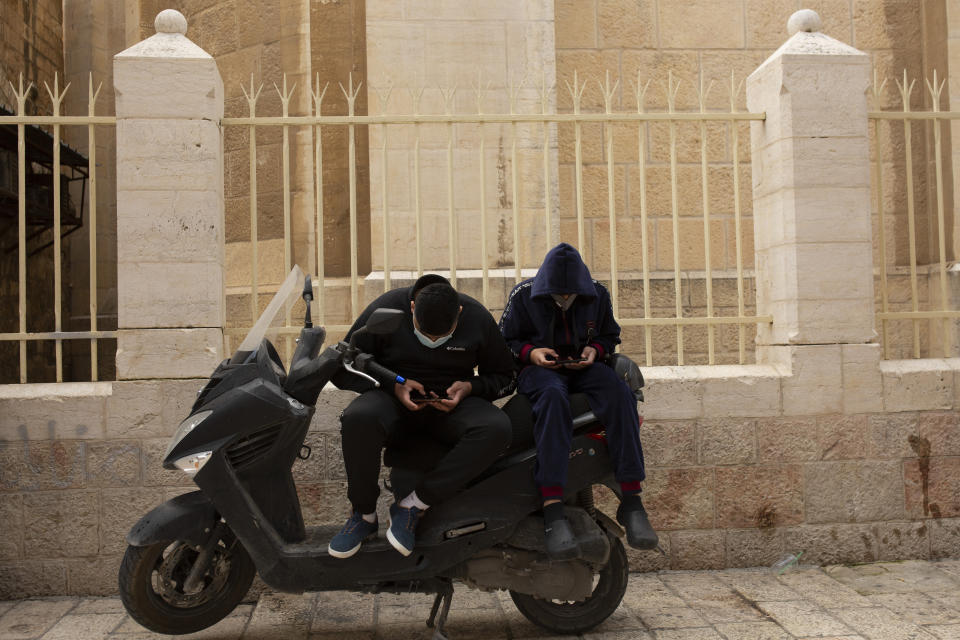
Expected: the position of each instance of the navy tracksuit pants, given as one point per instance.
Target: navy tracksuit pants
(611, 401)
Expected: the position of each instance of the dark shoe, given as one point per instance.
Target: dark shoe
(640, 534)
(561, 541)
(354, 533)
(403, 525)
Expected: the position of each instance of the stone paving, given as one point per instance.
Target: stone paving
(914, 600)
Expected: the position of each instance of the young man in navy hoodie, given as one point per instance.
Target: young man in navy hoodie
(561, 314)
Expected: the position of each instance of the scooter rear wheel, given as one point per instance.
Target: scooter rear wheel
(152, 579)
(577, 617)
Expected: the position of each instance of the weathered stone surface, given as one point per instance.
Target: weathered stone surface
(680, 498)
(787, 439)
(903, 540)
(890, 435)
(170, 294)
(759, 496)
(120, 509)
(84, 626)
(696, 550)
(73, 411)
(324, 503)
(114, 463)
(168, 353)
(832, 544)
(133, 410)
(333, 454)
(878, 623)
(916, 385)
(30, 619)
(95, 576)
(701, 25)
(748, 391)
(816, 384)
(861, 491)
(862, 382)
(669, 443)
(804, 439)
(669, 394)
(176, 398)
(32, 578)
(61, 524)
(803, 619)
(944, 537)
(942, 431)
(753, 547)
(42, 465)
(726, 442)
(932, 487)
(11, 515)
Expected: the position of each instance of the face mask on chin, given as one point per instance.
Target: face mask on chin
(427, 342)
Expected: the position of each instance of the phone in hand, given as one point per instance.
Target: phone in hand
(562, 361)
(417, 398)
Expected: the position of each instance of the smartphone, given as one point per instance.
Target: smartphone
(569, 360)
(418, 399)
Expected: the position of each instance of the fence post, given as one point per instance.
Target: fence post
(169, 102)
(813, 238)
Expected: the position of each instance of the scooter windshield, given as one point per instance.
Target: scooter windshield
(277, 316)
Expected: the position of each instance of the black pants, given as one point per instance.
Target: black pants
(478, 431)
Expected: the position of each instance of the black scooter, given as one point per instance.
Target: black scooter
(191, 560)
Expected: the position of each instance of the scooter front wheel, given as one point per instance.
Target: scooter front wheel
(577, 617)
(153, 580)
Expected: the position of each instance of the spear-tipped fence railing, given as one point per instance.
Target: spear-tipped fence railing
(938, 314)
(53, 123)
(546, 122)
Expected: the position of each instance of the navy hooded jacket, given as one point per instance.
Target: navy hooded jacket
(532, 319)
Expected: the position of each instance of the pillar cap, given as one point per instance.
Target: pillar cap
(806, 20)
(170, 21)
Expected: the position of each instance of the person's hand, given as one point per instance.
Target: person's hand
(590, 353)
(540, 358)
(403, 391)
(457, 392)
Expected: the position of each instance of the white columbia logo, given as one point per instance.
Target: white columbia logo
(456, 348)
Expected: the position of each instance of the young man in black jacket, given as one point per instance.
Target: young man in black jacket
(564, 314)
(445, 335)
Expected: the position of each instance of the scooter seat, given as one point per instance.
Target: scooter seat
(423, 453)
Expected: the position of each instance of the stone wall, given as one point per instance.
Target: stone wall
(737, 474)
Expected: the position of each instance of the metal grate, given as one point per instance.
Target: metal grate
(251, 448)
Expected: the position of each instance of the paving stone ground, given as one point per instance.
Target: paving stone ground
(915, 600)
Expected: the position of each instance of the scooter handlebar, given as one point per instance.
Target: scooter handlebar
(366, 364)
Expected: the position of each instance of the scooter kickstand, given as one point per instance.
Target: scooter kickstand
(445, 597)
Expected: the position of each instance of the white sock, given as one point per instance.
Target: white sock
(370, 517)
(413, 501)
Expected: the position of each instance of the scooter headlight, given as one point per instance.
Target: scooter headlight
(186, 427)
(193, 463)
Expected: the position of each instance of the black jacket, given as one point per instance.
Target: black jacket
(476, 343)
(531, 318)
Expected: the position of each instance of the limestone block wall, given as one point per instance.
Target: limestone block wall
(456, 47)
(743, 464)
(704, 40)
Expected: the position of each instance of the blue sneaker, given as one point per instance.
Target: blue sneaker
(348, 541)
(403, 523)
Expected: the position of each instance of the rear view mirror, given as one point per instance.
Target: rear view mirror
(384, 321)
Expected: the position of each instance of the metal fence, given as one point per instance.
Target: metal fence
(897, 150)
(547, 120)
(53, 124)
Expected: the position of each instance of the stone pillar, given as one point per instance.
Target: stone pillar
(169, 101)
(811, 185)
